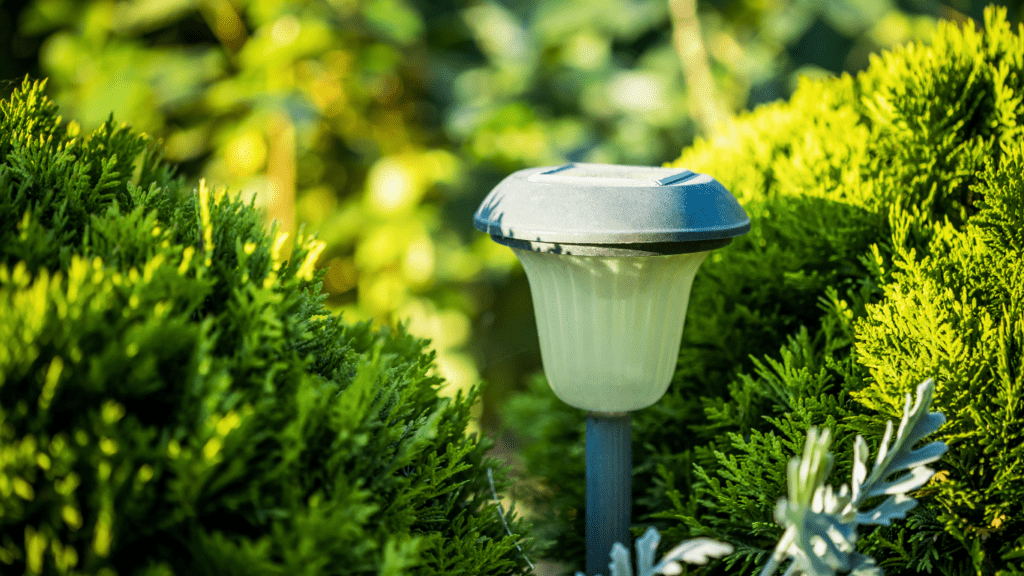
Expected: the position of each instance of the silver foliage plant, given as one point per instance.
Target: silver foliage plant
(821, 523)
(695, 551)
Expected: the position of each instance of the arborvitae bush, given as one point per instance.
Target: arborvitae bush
(175, 400)
(886, 248)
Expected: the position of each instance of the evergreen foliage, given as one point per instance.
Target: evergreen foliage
(886, 249)
(174, 399)
(388, 119)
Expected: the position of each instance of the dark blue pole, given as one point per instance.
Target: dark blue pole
(609, 487)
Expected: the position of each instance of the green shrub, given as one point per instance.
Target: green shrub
(174, 399)
(404, 112)
(886, 248)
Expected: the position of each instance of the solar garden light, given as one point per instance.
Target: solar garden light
(610, 253)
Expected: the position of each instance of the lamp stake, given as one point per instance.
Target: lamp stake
(609, 486)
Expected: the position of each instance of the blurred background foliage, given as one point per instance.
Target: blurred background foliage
(381, 124)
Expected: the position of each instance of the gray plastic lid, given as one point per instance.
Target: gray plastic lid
(613, 210)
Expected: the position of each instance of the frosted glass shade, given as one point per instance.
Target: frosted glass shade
(609, 326)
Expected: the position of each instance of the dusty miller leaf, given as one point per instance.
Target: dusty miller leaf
(917, 423)
(619, 566)
(894, 507)
(821, 524)
(695, 551)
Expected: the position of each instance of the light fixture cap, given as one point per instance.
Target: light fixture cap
(611, 210)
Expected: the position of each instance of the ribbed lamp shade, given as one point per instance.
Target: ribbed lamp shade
(609, 326)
